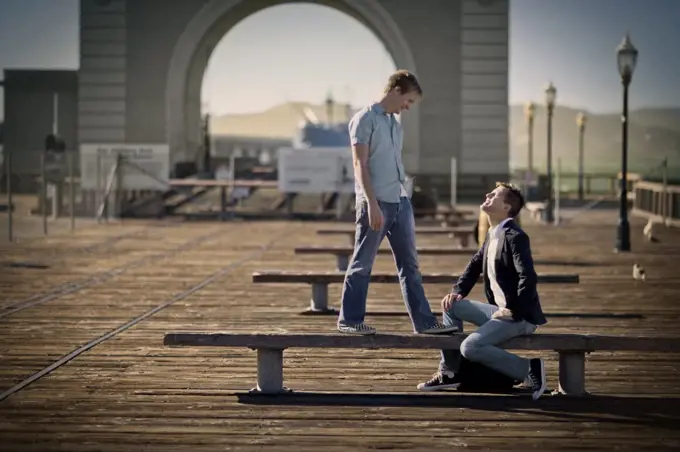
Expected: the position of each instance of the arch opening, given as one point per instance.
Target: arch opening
(213, 22)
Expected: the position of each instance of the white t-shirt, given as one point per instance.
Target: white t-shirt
(492, 248)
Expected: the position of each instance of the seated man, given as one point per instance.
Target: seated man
(510, 287)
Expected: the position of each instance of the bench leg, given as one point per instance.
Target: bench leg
(319, 303)
(572, 373)
(342, 262)
(269, 371)
(464, 241)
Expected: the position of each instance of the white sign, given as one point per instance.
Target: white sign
(146, 165)
(315, 170)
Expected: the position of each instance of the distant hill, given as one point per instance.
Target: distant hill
(280, 121)
(654, 133)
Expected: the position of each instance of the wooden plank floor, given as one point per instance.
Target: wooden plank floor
(130, 393)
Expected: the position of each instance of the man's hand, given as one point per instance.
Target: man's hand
(449, 299)
(375, 216)
(502, 314)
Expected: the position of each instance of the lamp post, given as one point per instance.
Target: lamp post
(550, 94)
(626, 56)
(529, 110)
(581, 123)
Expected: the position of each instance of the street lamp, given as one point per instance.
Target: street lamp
(626, 56)
(529, 110)
(550, 94)
(581, 123)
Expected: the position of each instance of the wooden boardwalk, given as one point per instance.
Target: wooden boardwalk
(124, 286)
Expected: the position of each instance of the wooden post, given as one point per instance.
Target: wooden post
(572, 373)
(10, 218)
(223, 203)
(97, 190)
(57, 195)
(119, 197)
(664, 195)
(557, 190)
(43, 192)
(71, 191)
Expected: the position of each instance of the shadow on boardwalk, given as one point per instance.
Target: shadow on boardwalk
(641, 411)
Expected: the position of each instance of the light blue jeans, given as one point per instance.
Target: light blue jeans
(399, 227)
(480, 346)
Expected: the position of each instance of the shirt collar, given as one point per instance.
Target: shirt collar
(496, 230)
(379, 109)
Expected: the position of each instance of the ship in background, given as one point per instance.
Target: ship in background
(313, 133)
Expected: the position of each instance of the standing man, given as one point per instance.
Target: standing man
(513, 309)
(383, 209)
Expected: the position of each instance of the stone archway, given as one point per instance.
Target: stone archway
(193, 49)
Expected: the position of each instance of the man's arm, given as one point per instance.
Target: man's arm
(360, 161)
(524, 265)
(360, 129)
(468, 279)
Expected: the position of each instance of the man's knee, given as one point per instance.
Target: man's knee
(470, 348)
(459, 309)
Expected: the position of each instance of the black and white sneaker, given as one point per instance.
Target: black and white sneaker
(440, 328)
(536, 379)
(439, 381)
(359, 328)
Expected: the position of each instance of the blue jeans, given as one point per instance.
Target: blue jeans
(480, 346)
(399, 227)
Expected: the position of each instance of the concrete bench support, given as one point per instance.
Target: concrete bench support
(342, 262)
(319, 302)
(572, 373)
(269, 371)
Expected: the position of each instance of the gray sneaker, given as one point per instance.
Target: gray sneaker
(439, 328)
(359, 328)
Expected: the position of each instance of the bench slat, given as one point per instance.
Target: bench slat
(348, 250)
(428, 278)
(555, 342)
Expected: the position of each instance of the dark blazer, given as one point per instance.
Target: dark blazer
(514, 271)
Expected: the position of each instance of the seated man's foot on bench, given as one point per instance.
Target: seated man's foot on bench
(359, 328)
(440, 380)
(440, 328)
(535, 379)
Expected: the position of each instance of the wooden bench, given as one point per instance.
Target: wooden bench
(320, 281)
(343, 253)
(462, 233)
(270, 346)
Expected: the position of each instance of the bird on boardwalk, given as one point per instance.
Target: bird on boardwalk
(648, 231)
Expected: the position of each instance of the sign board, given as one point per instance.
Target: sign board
(153, 159)
(315, 170)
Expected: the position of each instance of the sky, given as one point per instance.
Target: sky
(269, 58)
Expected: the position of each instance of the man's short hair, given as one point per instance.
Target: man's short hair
(513, 197)
(405, 81)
